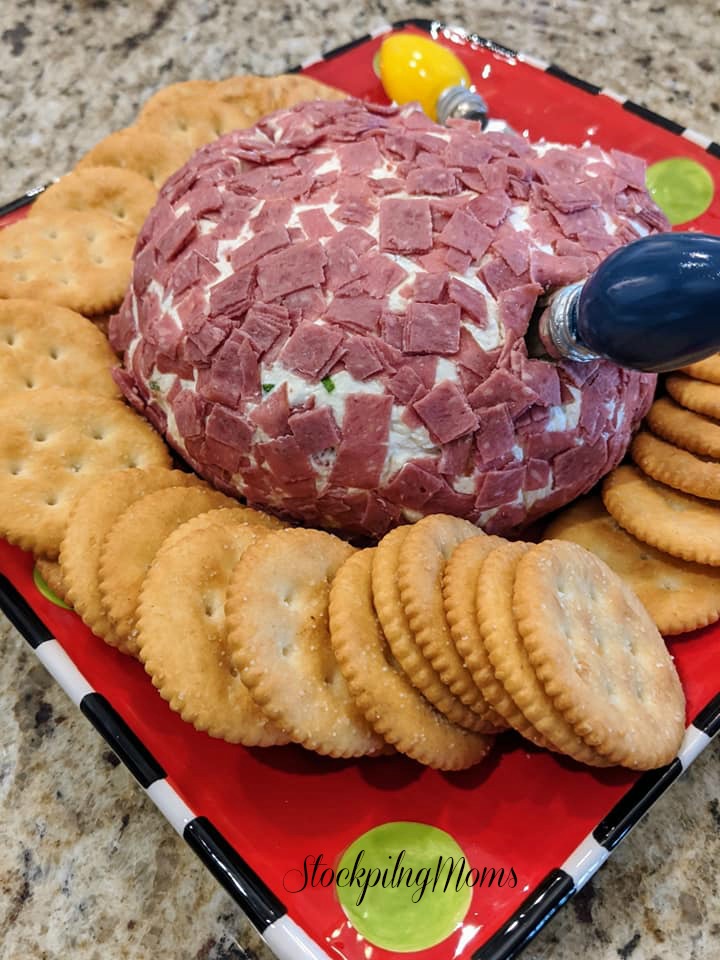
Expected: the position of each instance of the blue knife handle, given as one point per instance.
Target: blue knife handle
(654, 304)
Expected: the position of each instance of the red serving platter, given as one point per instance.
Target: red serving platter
(522, 808)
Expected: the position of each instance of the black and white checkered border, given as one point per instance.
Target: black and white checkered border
(268, 914)
(565, 881)
(248, 890)
(264, 910)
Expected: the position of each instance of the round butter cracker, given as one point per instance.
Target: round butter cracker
(132, 148)
(685, 429)
(182, 630)
(401, 639)
(279, 636)
(77, 260)
(89, 522)
(381, 688)
(696, 395)
(173, 92)
(190, 121)
(54, 444)
(676, 523)
(459, 588)
(598, 655)
(289, 89)
(421, 564)
(252, 94)
(42, 345)
(676, 468)
(132, 543)
(707, 369)
(51, 573)
(678, 595)
(123, 195)
(511, 684)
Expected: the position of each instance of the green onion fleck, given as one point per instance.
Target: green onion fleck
(267, 387)
(154, 386)
(327, 382)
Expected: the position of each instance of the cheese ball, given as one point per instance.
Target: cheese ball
(328, 317)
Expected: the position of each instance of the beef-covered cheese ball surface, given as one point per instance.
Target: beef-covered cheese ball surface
(328, 310)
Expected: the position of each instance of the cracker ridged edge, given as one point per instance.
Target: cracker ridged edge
(676, 468)
(646, 531)
(155, 672)
(420, 671)
(342, 627)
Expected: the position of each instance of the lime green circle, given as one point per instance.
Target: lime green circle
(45, 590)
(392, 914)
(682, 188)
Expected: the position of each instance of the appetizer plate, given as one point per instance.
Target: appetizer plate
(532, 826)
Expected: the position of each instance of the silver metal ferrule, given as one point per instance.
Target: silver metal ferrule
(461, 103)
(558, 325)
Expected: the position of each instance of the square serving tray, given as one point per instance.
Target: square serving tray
(254, 815)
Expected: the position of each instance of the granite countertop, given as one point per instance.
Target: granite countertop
(88, 868)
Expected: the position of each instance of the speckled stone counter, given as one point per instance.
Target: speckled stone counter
(88, 868)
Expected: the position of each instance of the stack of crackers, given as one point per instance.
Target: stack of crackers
(658, 522)
(472, 635)
(75, 247)
(431, 643)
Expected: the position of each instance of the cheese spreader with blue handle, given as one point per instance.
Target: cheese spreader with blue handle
(653, 305)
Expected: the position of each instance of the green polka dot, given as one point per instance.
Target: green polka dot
(397, 916)
(682, 188)
(47, 592)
